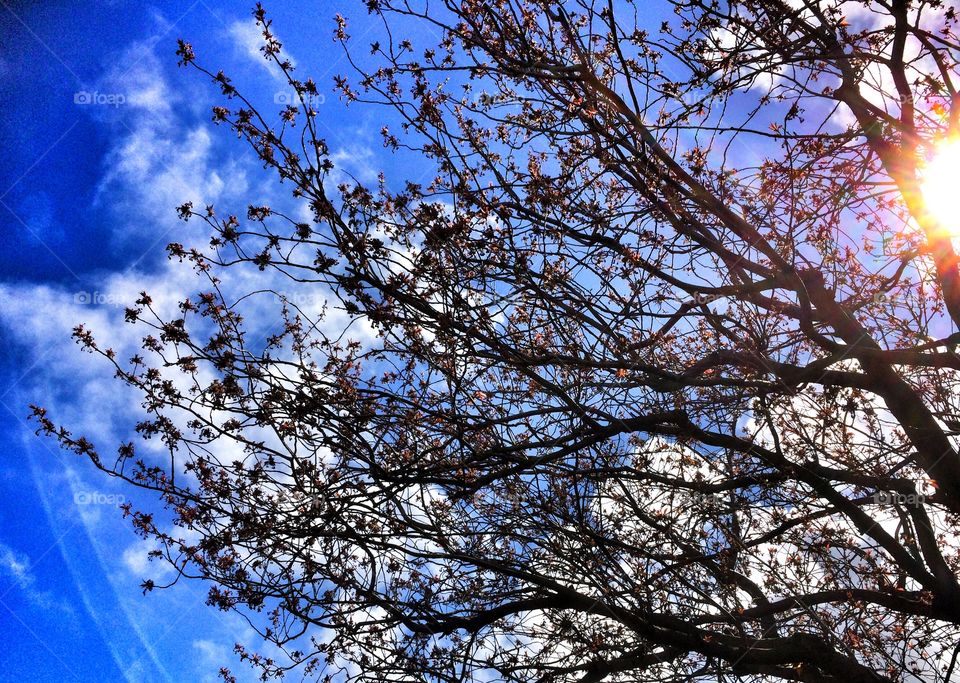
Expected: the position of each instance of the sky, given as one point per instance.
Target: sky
(103, 136)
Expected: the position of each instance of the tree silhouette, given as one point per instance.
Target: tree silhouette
(664, 382)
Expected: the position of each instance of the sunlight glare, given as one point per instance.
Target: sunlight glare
(941, 187)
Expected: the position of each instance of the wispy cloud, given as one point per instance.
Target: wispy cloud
(163, 153)
(16, 570)
(248, 39)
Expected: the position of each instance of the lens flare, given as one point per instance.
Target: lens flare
(941, 187)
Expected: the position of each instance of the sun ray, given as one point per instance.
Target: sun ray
(940, 187)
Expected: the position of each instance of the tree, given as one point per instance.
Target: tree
(664, 384)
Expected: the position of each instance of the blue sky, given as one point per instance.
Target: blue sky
(103, 135)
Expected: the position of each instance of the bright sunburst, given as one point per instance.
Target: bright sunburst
(941, 186)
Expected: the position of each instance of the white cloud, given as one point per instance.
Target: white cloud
(160, 158)
(248, 39)
(212, 656)
(136, 559)
(137, 76)
(356, 160)
(158, 162)
(16, 567)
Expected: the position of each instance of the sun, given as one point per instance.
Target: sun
(940, 187)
